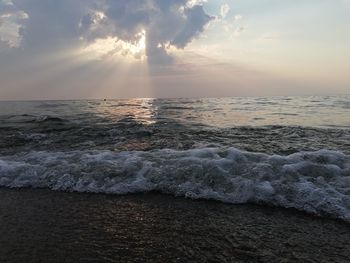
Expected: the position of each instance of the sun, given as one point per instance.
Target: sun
(116, 48)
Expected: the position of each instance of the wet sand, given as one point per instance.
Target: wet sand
(47, 226)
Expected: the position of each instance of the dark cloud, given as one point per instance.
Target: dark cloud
(165, 22)
(193, 25)
(53, 24)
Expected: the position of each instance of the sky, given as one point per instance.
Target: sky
(85, 49)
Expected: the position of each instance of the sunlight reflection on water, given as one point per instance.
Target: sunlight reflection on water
(229, 112)
(312, 111)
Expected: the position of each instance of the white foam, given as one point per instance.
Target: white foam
(315, 182)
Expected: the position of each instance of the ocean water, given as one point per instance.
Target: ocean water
(290, 152)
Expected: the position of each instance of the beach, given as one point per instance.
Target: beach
(39, 225)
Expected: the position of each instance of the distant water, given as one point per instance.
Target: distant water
(282, 151)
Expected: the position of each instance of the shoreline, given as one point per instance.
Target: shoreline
(39, 225)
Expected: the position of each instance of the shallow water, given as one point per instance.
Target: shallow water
(49, 226)
(283, 151)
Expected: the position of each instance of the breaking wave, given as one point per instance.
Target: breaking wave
(315, 182)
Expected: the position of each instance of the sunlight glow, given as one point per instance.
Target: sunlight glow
(113, 47)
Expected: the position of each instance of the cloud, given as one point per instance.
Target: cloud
(166, 23)
(238, 17)
(235, 26)
(52, 25)
(224, 10)
(11, 25)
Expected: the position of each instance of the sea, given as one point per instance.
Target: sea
(291, 152)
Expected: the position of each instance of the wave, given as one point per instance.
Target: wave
(47, 119)
(315, 182)
(52, 104)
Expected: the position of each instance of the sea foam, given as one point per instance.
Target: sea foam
(315, 182)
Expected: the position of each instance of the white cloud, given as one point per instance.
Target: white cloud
(11, 24)
(113, 47)
(235, 26)
(192, 3)
(224, 10)
(238, 17)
